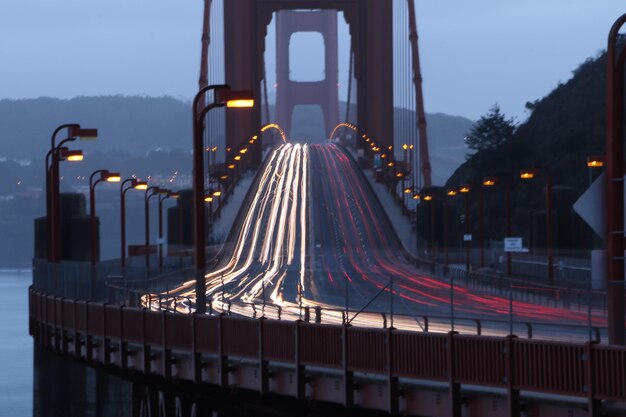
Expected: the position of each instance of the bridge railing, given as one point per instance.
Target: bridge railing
(584, 370)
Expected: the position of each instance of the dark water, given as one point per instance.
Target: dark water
(16, 346)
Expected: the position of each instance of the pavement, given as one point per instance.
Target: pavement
(222, 225)
(401, 223)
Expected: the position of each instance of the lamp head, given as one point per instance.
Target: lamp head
(111, 176)
(465, 189)
(416, 196)
(84, 134)
(428, 197)
(71, 155)
(235, 99)
(208, 199)
(174, 194)
(595, 161)
(451, 192)
(490, 181)
(527, 174)
(139, 185)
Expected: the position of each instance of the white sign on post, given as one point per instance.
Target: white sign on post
(467, 237)
(512, 244)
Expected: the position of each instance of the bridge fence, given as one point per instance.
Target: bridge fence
(204, 348)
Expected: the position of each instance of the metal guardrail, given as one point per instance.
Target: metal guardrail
(180, 346)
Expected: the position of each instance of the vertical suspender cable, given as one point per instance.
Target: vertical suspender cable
(419, 98)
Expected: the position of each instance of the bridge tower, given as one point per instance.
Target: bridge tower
(291, 93)
(370, 23)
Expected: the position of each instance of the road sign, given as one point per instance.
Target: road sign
(467, 237)
(512, 244)
(591, 206)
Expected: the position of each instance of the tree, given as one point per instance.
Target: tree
(490, 131)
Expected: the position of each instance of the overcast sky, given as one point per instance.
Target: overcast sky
(474, 53)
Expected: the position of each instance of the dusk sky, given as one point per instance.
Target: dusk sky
(473, 53)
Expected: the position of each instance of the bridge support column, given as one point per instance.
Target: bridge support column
(513, 405)
(300, 370)
(263, 364)
(392, 381)
(222, 358)
(594, 408)
(454, 388)
(348, 376)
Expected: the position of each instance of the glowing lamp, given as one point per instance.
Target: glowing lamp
(208, 199)
(489, 182)
(140, 185)
(465, 189)
(217, 193)
(526, 175)
(428, 197)
(111, 176)
(235, 99)
(595, 161)
(72, 156)
(451, 192)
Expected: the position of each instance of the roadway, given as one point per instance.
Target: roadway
(314, 234)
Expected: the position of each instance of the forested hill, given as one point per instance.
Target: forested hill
(563, 129)
(132, 124)
(137, 125)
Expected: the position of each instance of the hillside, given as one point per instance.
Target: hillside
(141, 135)
(563, 129)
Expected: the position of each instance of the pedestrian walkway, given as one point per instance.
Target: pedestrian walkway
(403, 227)
(223, 224)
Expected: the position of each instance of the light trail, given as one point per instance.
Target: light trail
(356, 252)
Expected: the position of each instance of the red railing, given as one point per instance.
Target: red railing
(589, 370)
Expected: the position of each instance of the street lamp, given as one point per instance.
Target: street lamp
(53, 157)
(465, 189)
(593, 162)
(136, 185)
(148, 194)
(105, 175)
(529, 174)
(433, 250)
(222, 96)
(506, 182)
(163, 197)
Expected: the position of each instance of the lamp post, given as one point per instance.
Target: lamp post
(148, 194)
(74, 131)
(222, 96)
(528, 174)
(134, 184)
(107, 176)
(163, 197)
(594, 161)
(464, 190)
(616, 61)
(451, 192)
(433, 246)
(506, 182)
